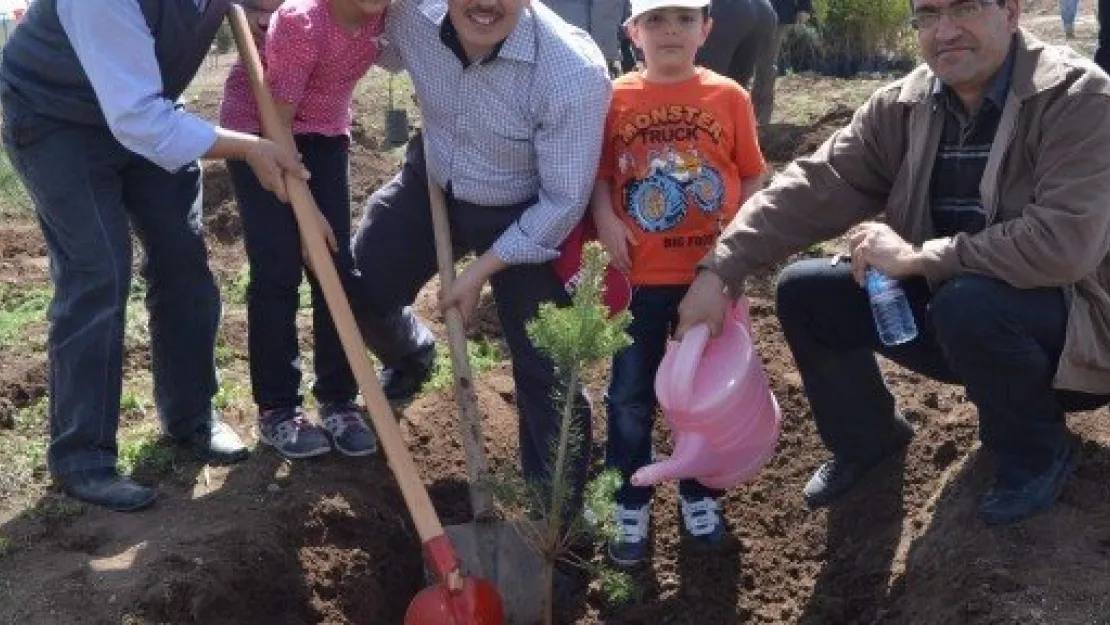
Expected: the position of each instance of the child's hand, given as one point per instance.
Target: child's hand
(615, 236)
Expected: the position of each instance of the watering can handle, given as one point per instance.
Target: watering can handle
(686, 359)
(689, 352)
(740, 313)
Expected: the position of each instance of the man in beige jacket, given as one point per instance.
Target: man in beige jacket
(991, 164)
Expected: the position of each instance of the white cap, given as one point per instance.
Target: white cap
(639, 7)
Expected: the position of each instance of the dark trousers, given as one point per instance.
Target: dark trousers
(276, 268)
(1102, 51)
(1000, 342)
(90, 194)
(742, 30)
(630, 400)
(395, 253)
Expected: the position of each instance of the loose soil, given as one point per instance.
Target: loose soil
(329, 541)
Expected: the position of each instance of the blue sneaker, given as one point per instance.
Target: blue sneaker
(702, 520)
(631, 546)
(290, 432)
(348, 430)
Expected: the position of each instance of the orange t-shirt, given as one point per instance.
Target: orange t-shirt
(674, 155)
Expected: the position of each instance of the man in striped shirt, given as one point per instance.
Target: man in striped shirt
(514, 101)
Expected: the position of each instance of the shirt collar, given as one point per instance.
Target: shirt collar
(999, 88)
(520, 45)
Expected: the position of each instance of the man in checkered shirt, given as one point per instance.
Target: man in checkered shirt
(514, 102)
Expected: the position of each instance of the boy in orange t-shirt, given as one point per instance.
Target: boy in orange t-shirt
(680, 156)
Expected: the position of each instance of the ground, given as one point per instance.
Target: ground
(329, 541)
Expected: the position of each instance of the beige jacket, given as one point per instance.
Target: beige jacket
(1046, 190)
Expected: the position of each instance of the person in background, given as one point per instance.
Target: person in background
(701, 173)
(743, 30)
(601, 19)
(989, 164)
(93, 129)
(315, 53)
(789, 12)
(1068, 10)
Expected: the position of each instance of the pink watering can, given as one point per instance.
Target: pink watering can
(716, 399)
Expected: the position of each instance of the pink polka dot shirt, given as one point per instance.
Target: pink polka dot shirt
(312, 61)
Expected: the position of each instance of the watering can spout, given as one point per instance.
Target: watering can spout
(690, 452)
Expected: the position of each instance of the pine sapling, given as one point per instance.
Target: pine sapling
(573, 337)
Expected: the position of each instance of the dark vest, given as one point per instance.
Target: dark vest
(40, 68)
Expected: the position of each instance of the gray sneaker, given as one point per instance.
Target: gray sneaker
(289, 431)
(348, 430)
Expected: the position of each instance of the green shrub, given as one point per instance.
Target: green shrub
(850, 36)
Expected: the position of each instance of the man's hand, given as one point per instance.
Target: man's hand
(270, 161)
(615, 237)
(705, 302)
(468, 285)
(874, 244)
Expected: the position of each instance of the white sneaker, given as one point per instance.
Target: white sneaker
(631, 546)
(702, 520)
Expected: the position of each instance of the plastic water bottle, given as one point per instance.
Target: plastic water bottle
(893, 316)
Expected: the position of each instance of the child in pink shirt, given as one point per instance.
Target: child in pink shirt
(315, 52)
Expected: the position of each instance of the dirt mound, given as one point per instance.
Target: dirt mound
(262, 543)
(782, 143)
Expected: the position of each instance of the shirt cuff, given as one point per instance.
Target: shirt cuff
(190, 138)
(516, 248)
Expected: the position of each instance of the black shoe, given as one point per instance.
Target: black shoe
(215, 442)
(1004, 504)
(108, 489)
(404, 380)
(838, 475)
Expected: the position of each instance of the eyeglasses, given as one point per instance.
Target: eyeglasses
(925, 19)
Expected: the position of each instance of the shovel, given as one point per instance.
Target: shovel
(494, 550)
(455, 599)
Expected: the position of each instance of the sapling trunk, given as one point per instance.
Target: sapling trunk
(554, 538)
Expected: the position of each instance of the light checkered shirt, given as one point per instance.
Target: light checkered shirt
(526, 124)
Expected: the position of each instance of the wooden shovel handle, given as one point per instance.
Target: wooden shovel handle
(304, 209)
(477, 466)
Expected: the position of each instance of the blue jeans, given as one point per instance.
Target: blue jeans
(630, 400)
(1001, 343)
(90, 193)
(274, 253)
(1068, 11)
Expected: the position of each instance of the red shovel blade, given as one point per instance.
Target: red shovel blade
(477, 603)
